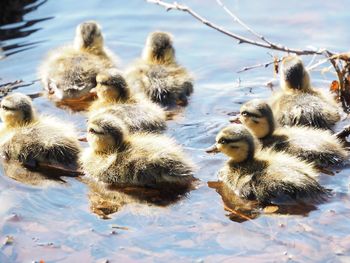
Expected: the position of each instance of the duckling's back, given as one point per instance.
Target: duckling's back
(68, 73)
(143, 116)
(314, 145)
(165, 84)
(304, 109)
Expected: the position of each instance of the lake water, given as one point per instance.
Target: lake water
(55, 222)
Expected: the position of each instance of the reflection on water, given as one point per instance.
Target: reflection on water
(58, 223)
(106, 200)
(16, 171)
(14, 26)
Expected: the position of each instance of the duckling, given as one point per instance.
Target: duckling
(33, 139)
(115, 97)
(69, 72)
(157, 73)
(300, 104)
(264, 175)
(147, 160)
(311, 144)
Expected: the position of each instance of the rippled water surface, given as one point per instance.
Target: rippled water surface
(56, 222)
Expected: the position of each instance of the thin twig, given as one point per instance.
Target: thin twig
(241, 39)
(265, 65)
(239, 21)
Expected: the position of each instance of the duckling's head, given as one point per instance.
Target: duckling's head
(294, 76)
(16, 110)
(88, 35)
(159, 48)
(111, 86)
(258, 117)
(236, 142)
(106, 133)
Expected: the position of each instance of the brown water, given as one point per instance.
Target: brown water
(56, 222)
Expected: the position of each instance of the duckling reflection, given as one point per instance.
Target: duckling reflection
(108, 199)
(264, 175)
(157, 73)
(242, 210)
(300, 104)
(41, 176)
(140, 159)
(311, 144)
(35, 140)
(69, 72)
(115, 97)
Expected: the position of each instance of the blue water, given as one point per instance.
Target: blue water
(54, 223)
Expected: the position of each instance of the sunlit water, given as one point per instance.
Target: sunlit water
(55, 223)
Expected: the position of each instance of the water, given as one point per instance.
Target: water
(55, 222)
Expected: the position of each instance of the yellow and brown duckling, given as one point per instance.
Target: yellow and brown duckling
(311, 144)
(115, 97)
(157, 73)
(116, 157)
(33, 139)
(300, 104)
(264, 175)
(69, 72)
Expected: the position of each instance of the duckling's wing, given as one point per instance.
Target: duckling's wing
(315, 145)
(167, 171)
(44, 143)
(287, 177)
(286, 191)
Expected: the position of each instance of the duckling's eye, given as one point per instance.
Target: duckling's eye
(6, 108)
(103, 83)
(223, 141)
(93, 131)
(250, 114)
(244, 113)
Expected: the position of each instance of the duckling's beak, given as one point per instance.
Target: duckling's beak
(235, 119)
(212, 149)
(82, 139)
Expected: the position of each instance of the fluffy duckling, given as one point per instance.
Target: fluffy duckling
(69, 72)
(264, 175)
(140, 159)
(115, 97)
(33, 139)
(311, 144)
(157, 73)
(300, 104)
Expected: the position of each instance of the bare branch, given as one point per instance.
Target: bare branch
(241, 39)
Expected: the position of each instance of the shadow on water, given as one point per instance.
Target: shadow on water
(14, 26)
(241, 210)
